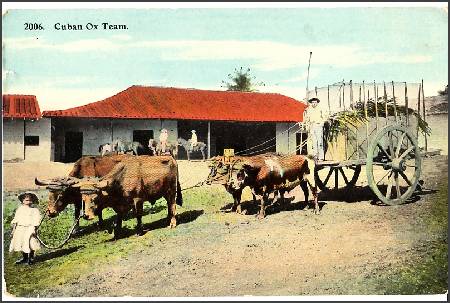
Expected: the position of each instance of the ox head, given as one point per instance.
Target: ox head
(91, 190)
(60, 194)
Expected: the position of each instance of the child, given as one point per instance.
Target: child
(25, 223)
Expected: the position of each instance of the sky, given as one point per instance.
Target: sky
(193, 47)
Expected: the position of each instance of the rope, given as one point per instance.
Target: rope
(253, 147)
(64, 241)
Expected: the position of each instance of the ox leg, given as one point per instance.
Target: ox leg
(262, 211)
(139, 211)
(304, 186)
(171, 211)
(118, 226)
(237, 202)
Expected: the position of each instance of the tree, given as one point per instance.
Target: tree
(443, 92)
(241, 81)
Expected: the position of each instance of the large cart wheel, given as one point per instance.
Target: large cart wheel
(393, 164)
(345, 175)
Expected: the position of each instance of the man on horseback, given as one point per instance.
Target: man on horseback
(193, 140)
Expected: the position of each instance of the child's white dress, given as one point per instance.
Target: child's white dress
(23, 239)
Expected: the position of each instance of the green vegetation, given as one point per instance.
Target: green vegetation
(427, 272)
(241, 81)
(93, 247)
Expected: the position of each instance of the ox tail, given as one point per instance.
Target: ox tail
(179, 196)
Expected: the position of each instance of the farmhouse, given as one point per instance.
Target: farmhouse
(26, 134)
(263, 122)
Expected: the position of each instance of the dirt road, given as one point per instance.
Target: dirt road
(291, 252)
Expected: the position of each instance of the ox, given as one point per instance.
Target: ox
(129, 184)
(105, 149)
(264, 174)
(61, 193)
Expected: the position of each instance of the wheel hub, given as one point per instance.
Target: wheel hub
(398, 165)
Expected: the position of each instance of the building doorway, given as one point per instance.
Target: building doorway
(73, 146)
(142, 136)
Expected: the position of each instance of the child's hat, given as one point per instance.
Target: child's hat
(33, 196)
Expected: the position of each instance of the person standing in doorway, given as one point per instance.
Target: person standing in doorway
(193, 140)
(163, 140)
(315, 119)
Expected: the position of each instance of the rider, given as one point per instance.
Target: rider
(193, 140)
(163, 139)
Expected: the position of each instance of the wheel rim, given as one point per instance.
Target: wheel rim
(327, 177)
(393, 165)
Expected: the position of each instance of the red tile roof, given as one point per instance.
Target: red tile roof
(145, 102)
(20, 106)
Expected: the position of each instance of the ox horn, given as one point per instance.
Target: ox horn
(45, 182)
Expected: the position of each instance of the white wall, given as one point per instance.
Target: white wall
(13, 139)
(286, 138)
(41, 128)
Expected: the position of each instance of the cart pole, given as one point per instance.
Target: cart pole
(424, 113)
(418, 109)
(385, 103)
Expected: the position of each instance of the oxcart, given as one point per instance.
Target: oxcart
(378, 133)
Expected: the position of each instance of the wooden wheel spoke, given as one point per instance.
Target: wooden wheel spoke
(343, 175)
(397, 185)
(406, 152)
(389, 172)
(399, 144)
(389, 188)
(383, 150)
(405, 178)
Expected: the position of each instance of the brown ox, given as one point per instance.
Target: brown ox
(129, 184)
(61, 193)
(234, 176)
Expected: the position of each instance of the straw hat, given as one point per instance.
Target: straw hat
(33, 196)
(193, 131)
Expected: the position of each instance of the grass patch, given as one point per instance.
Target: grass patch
(93, 247)
(427, 272)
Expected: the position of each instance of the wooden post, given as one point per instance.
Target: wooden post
(209, 139)
(376, 104)
(329, 108)
(112, 131)
(359, 99)
(351, 95)
(315, 88)
(364, 92)
(424, 114)
(406, 105)
(367, 119)
(395, 102)
(24, 130)
(343, 95)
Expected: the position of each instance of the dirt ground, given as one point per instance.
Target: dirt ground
(291, 252)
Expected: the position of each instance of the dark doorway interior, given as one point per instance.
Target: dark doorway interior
(142, 136)
(73, 146)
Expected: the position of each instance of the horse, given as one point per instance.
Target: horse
(200, 146)
(123, 147)
(156, 148)
(105, 148)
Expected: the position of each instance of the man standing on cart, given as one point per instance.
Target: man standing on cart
(315, 119)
